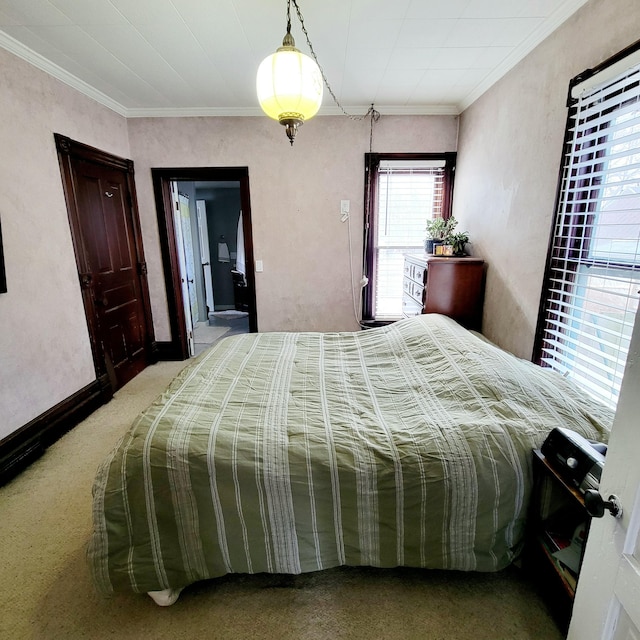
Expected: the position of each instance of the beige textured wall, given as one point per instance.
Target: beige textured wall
(509, 157)
(510, 143)
(295, 202)
(44, 349)
(45, 355)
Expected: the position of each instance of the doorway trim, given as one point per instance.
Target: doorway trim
(177, 348)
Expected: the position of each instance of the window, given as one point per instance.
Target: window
(593, 273)
(403, 191)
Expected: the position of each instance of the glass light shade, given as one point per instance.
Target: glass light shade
(289, 86)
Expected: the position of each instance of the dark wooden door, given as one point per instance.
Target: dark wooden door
(111, 267)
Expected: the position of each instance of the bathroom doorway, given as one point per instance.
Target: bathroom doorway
(205, 227)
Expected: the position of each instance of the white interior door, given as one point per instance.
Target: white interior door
(189, 258)
(203, 231)
(607, 605)
(240, 255)
(184, 275)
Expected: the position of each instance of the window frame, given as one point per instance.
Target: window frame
(372, 163)
(578, 229)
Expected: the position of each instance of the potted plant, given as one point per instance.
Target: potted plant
(458, 242)
(438, 230)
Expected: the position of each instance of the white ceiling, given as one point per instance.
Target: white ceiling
(200, 57)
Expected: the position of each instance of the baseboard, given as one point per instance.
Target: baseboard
(26, 444)
(167, 351)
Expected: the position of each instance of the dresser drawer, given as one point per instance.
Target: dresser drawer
(410, 307)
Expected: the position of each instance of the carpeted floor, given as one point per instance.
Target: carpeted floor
(46, 593)
(205, 335)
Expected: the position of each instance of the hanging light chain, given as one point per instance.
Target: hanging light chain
(375, 115)
(288, 16)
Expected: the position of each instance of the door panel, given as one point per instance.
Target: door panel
(182, 268)
(625, 629)
(203, 231)
(95, 228)
(607, 605)
(106, 228)
(187, 241)
(106, 236)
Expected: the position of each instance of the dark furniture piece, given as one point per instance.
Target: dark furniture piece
(451, 286)
(240, 297)
(557, 514)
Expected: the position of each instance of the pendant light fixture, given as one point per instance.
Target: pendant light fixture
(289, 83)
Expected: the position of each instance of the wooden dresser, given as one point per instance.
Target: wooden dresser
(451, 286)
(413, 285)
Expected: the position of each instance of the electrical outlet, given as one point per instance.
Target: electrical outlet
(344, 210)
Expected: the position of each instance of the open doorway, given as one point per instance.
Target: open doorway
(205, 234)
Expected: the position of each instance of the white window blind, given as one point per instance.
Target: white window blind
(594, 261)
(409, 194)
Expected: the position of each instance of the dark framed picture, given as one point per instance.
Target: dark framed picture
(3, 274)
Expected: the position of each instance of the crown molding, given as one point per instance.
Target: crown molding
(192, 112)
(37, 60)
(395, 110)
(519, 53)
(29, 55)
(561, 14)
(355, 111)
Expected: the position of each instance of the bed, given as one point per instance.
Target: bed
(405, 445)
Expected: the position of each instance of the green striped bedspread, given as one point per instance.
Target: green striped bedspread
(292, 452)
